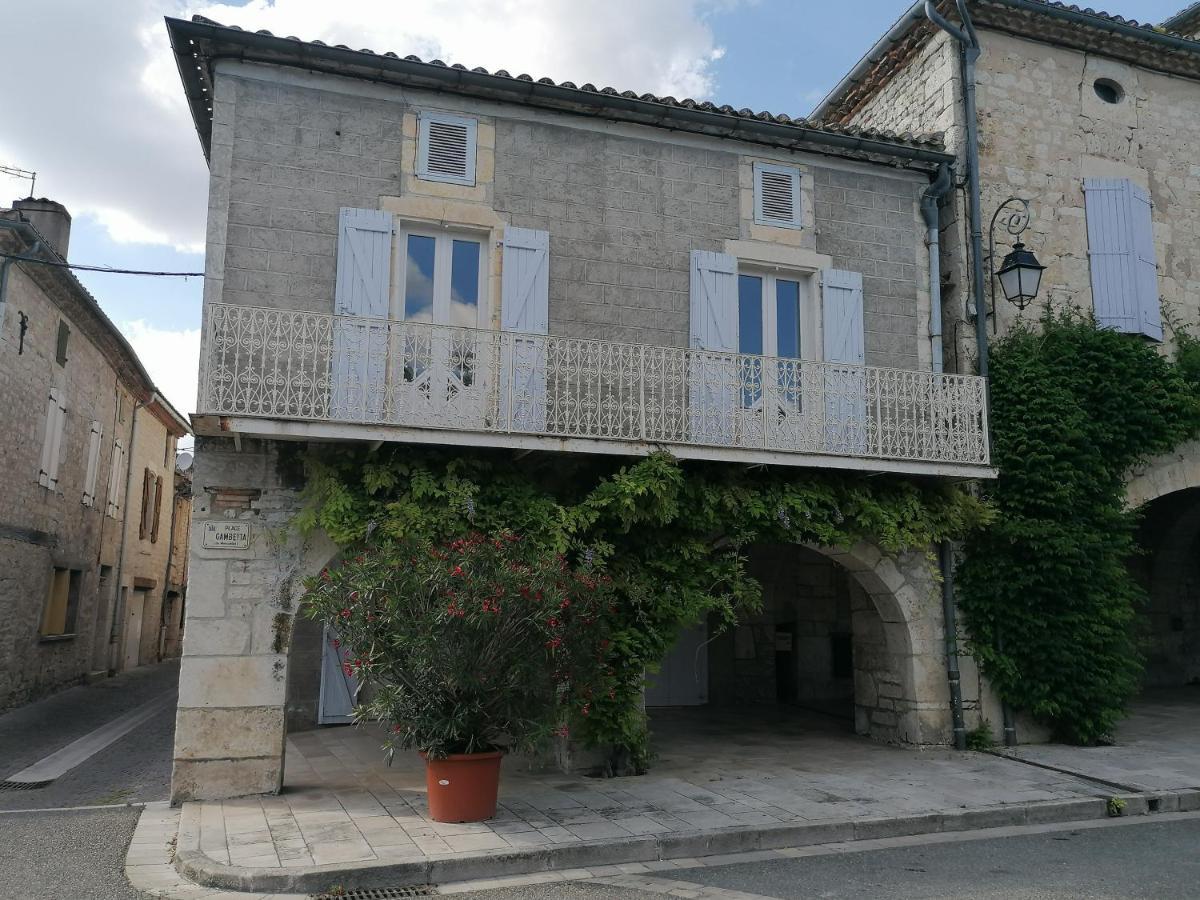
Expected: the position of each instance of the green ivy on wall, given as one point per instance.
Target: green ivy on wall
(1074, 407)
(672, 535)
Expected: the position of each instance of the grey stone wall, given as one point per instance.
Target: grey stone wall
(40, 528)
(623, 212)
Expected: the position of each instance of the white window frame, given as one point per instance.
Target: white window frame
(442, 262)
(797, 177)
(426, 118)
(810, 314)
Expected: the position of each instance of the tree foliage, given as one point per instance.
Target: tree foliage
(672, 536)
(1046, 592)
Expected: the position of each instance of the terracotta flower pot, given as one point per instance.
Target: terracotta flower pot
(463, 786)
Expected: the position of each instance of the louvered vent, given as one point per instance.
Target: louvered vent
(447, 149)
(777, 195)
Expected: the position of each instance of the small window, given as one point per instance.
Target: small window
(1108, 90)
(62, 603)
(64, 335)
(446, 148)
(777, 195)
(120, 406)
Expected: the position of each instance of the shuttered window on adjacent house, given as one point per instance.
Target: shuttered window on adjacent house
(56, 421)
(93, 464)
(777, 195)
(156, 516)
(1121, 256)
(116, 481)
(446, 148)
(146, 525)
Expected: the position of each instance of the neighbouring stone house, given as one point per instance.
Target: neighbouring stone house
(413, 252)
(82, 413)
(1094, 121)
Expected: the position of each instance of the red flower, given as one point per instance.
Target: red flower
(564, 604)
(561, 731)
(587, 708)
(346, 668)
(336, 643)
(456, 572)
(345, 613)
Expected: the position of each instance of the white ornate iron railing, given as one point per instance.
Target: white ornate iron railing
(284, 364)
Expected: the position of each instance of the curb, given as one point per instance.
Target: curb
(195, 865)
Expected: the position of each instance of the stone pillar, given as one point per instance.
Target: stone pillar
(242, 596)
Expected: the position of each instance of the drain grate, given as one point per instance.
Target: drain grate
(22, 785)
(412, 890)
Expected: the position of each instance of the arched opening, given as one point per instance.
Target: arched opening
(846, 642)
(1169, 570)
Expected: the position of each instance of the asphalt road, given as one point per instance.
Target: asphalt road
(50, 851)
(1147, 858)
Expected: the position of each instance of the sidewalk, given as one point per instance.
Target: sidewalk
(718, 787)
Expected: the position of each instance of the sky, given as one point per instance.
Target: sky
(102, 120)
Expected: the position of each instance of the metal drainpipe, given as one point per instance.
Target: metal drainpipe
(119, 603)
(929, 209)
(969, 42)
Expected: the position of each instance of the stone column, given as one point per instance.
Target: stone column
(242, 596)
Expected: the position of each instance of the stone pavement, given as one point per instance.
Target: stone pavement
(1157, 747)
(722, 783)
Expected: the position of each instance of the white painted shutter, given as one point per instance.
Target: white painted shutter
(93, 464)
(335, 703)
(777, 195)
(362, 290)
(56, 420)
(446, 148)
(1122, 258)
(713, 376)
(525, 308)
(116, 480)
(844, 342)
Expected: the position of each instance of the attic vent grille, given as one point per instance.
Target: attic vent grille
(447, 150)
(777, 195)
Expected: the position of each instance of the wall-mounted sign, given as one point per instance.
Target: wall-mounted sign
(226, 535)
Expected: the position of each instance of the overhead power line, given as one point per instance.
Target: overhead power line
(109, 269)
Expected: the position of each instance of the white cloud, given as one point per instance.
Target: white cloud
(110, 136)
(171, 357)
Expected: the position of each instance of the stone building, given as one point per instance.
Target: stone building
(1093, 120)
(75, 393)
(411, 252)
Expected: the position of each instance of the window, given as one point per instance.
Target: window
(120, 406)
(116, 480)
(64, 334)
(446, 148)
(774, 314)
(151, 505)
(1122, 256)
(56, 420)
(1108, 90)
(777, 195)
(93, 464)
(62, 603)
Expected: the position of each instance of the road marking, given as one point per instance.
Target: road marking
(133, 804)
(67, 758)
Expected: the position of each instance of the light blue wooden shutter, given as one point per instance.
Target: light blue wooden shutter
(525, 308)
(777, 195)
(446, 148)
(713, 376)
(362, 290)
(844, 342)
(1121, 254)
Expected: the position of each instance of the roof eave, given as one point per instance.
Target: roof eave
(253, 47)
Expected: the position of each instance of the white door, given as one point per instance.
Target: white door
(441, 378)
(135, 609)
(683, 678)
(339, 690)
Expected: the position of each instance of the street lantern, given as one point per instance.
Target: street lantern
(1020, 276)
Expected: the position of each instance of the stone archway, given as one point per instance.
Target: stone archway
(1166, 474)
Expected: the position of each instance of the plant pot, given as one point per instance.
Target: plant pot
(463, 786)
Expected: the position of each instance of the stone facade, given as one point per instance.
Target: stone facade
(624, 206)
(53, 336)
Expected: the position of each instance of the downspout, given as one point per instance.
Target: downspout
(929, 209)
(968, 41)
(119, 603)
(162, 616)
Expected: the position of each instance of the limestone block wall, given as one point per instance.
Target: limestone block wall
(240, 611)
(624, 206)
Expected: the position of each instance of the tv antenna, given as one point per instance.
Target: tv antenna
(21, 173)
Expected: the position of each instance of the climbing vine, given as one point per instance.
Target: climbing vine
(672, 536)
(1046, 591)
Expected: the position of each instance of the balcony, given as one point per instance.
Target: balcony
(288, 374)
